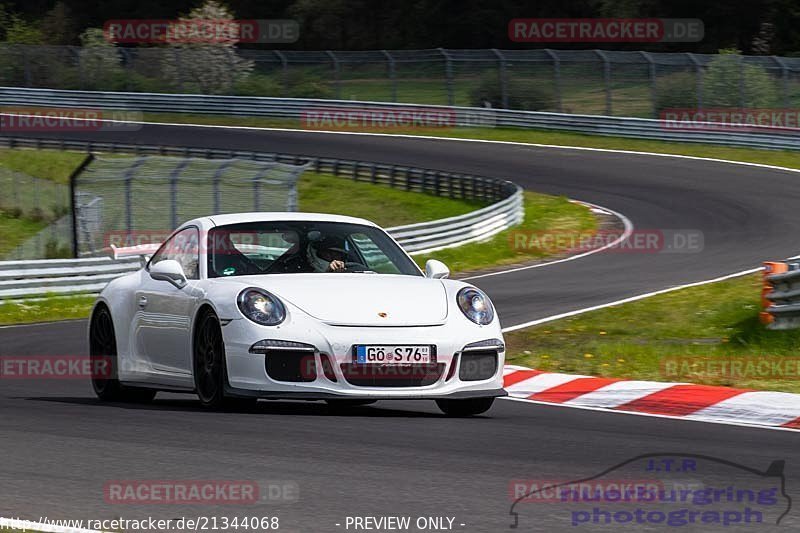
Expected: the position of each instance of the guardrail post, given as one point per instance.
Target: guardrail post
(392, 73)
(784, 80)
(556, 78)
(448, 71)
(653, 92)
(502, 74)
(284, 72)
(698, 74)
(336, 74)
(606, 79)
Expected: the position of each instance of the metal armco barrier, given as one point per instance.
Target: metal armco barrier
(785, 298)
(296, 109)
(25, 279)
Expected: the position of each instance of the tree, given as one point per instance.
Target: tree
(19, 31)
(100, 61)
(729, 82)
(208, 67)
(58, 26)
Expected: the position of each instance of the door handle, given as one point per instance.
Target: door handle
(142, 301)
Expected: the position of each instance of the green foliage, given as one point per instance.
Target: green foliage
(19, 31)
(728, 83)
(677, 90)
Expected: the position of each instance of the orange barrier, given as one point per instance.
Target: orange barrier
(770, 267)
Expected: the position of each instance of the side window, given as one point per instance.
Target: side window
(373, 256)
(183, 248)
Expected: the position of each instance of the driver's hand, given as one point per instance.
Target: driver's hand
(336, 266)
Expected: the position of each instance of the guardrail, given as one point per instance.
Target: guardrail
(26, 279)
(785, 298)
(296, 109)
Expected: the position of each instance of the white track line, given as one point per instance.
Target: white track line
(628, 229)
(627, 300)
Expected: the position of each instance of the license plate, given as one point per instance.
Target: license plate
(393, 355)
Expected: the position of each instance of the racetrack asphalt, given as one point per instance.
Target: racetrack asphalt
(60, 446)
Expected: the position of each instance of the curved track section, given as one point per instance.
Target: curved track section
(61, 446)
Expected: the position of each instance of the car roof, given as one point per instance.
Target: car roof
(280, 216)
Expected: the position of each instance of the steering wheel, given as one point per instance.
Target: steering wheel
(353, 266)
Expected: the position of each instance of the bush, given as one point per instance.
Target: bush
(54, 250)
(677, 90)
(523, 94)
(721, 84)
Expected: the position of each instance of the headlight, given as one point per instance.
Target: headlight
(475, 305)
(261, 307)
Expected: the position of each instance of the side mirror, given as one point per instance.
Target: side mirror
(436, 269)
(169, 270)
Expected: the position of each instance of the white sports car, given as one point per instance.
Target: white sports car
(295, 306)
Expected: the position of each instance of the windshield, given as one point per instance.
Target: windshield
(297, 247)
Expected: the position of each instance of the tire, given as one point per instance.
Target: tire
(209, 367)
(470, 407)
(103, 346)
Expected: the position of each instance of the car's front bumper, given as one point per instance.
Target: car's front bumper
(248, 376)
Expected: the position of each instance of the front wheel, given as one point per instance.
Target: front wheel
(210, 375)
(470, 407)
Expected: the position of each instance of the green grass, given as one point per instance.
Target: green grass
(14, 231)
(323, 193)
(45, 309)
(543, 213)
(55, 166)
(633, 341)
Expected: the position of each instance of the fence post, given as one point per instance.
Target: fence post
(173, 190)
(336, 73)
(74, 202)
(503, 76)
(215, 184)
(556, 78)
(126, 58)
(26, 65)
(698, 75)
(129, 193)
(448, 70)
(392, 74)
(652, 74)
(284, 72)
(741, 82)
(784, 79)
(606, 79)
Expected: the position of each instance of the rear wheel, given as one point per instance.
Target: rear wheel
(470, 407)
(210, 374)
(103, 354)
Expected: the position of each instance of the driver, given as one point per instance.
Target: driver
(327, 254)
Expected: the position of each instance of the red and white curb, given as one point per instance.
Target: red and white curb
(675, 400)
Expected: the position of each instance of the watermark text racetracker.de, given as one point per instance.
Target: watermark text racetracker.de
(742, 119)
(201, 31)
(44, 119)
(390, 117)
(55, 367)
(609, 30)
(150, 523)
(199, 492)
(637, 241)
(731, 368)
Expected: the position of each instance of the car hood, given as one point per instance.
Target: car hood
(360, 299)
